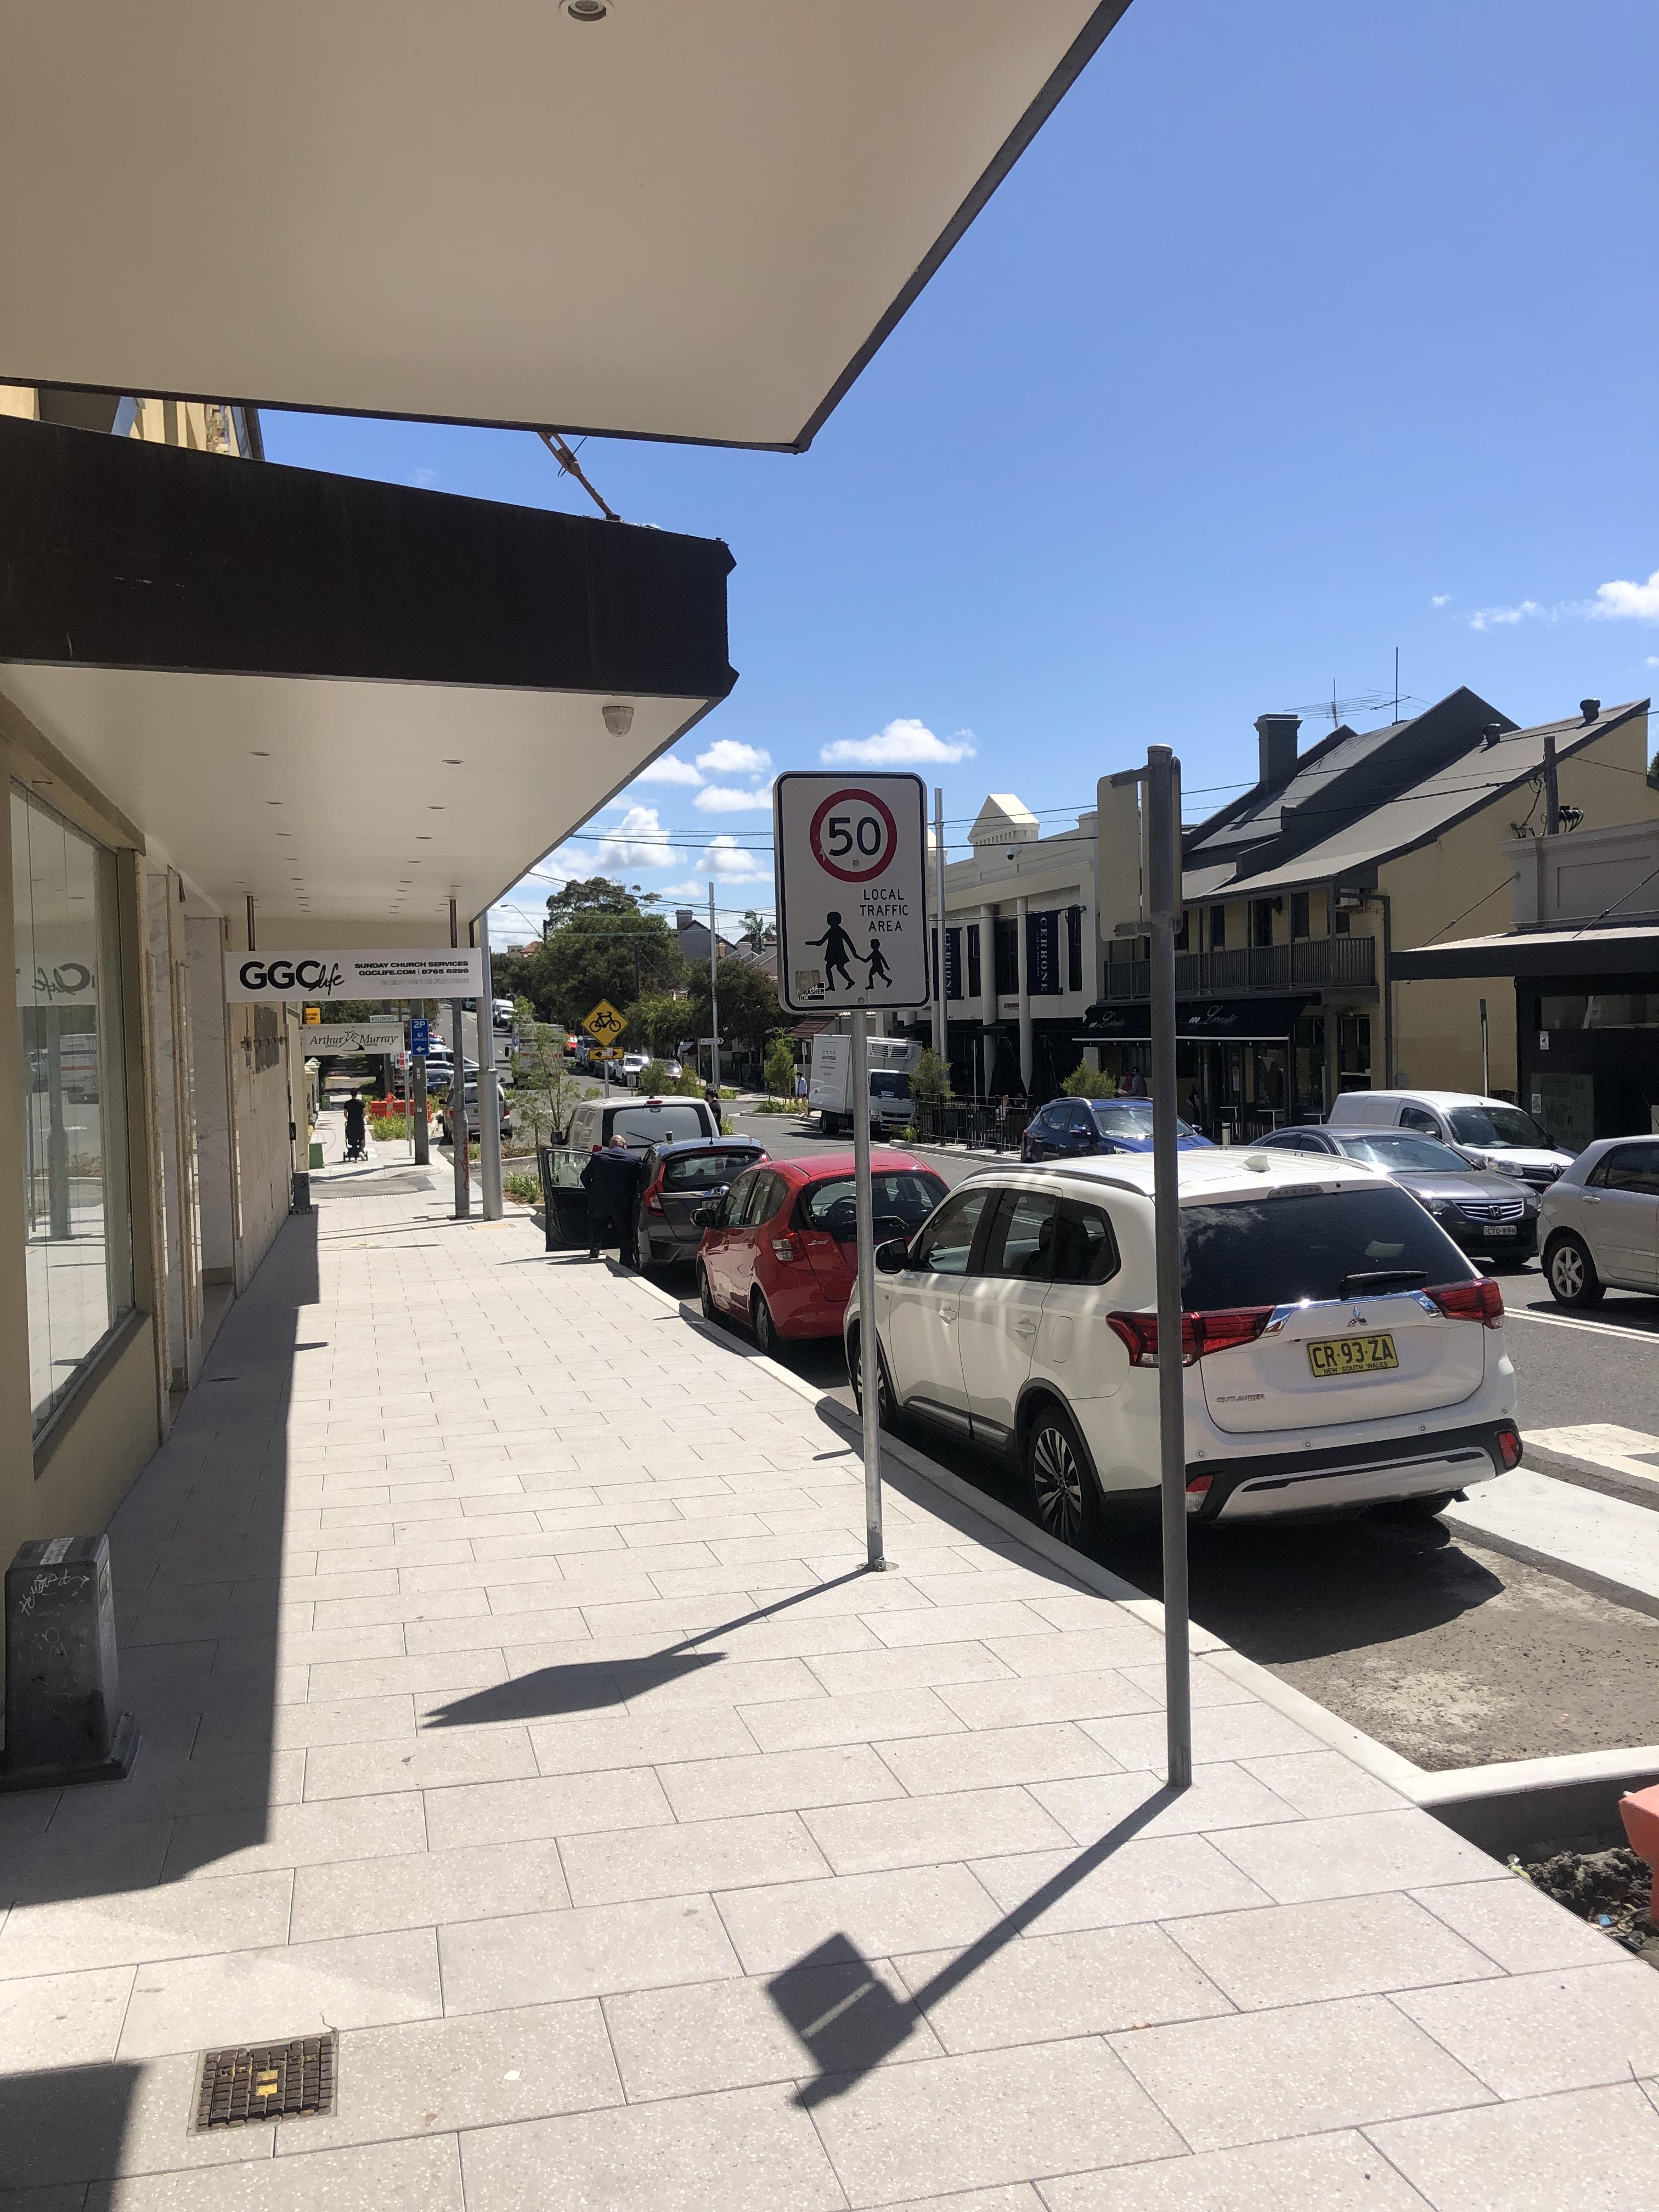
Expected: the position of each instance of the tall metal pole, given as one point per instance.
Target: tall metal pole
(1161, 795)
(489, 1094)
(714, 999)
(869, 1366)
(1486, 1056)
(1552, 792)
(458, 1091)
(940, 1035)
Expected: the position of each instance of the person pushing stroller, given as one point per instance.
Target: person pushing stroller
(356, 1127)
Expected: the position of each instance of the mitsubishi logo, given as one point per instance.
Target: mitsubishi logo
(1356, 1320)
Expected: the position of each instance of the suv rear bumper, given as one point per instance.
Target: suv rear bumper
(1280, 1483)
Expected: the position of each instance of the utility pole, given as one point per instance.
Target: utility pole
(458, 1090)
(490, 1093)
(714, 997)
(1551, 791)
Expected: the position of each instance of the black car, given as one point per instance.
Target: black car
(675, 1181)
(1479, 1208)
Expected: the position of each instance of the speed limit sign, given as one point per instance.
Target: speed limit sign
(852, 866)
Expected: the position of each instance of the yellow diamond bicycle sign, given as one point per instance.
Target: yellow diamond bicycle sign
(605, 1022)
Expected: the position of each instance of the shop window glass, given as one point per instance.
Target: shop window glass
(976, 979)
(1300, 921)
(1599, 1010)
(78, 1212)
(1217, 928)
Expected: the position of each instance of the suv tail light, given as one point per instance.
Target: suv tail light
(1509, 1448)
(1200, 1333)
(1479, 1301)
(1198, 1490)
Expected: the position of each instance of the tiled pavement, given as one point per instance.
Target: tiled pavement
(514, 1705)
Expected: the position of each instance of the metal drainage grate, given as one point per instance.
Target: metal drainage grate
(266, 2081)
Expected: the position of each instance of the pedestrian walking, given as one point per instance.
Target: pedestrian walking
(711, 1099)
(356, 1127)
(610, 1179)
(1132, 1084)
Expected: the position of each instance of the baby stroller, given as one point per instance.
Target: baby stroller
(356, 1146)
(356, 1131)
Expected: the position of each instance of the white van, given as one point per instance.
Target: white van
(1493, 1130)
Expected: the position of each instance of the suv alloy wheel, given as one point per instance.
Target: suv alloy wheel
(1065, 1496)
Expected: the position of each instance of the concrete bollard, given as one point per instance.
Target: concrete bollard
(64, 1717)
(1640, 1814)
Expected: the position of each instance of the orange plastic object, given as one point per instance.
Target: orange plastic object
(1640, 1814)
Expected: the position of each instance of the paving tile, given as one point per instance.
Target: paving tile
(1321, 1782)
(585, 1951)
(1334, 2173)
(730, 2035)
(866, 1717)
(492, 1631)
(423, 1670)
(398, 2177)
(989, 2118)
(1026, 1699)
(918, 1666)
(1222, 1796)
(1047, 1752)
(549, 1805)
(1283, 1954)
(878, 1914)
(1355, 1853)
(841, 1774)
(430, 2077)
(1209, 1685)
(212, 1843)
(1038, 1988)
(956, 1624)
(1529, 2035)
(689, 1855)
(288, 1990)
(435, 1760)
(1518, 1926)
(1592, 2150)
(295, 1727)
(1241, 1731)
(62, 2019)
(1256, 2075)
(1117, 1640)
(1136, 1879)
(72, 2125)
(744, 2150)
(1018, 2196)
(960, 1824)
(360, 1897)
(587, 1745)
(127, 1927)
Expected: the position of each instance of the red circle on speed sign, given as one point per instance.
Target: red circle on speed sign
(853, 835)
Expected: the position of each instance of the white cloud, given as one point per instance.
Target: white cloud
(1622, 601)
(669, 769)
(905, 743)
(639, 840)
(723, 799)
(725, 756)
(1653, 661)
(1440, 598)
(1506, 618)
(732, 863)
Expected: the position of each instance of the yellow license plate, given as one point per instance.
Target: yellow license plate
(1352, 1355)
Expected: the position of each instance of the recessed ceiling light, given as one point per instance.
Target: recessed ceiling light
(434, 809)
(258, 755)
(273, 802)
(587, 11)
(449, 763)
(423, 837)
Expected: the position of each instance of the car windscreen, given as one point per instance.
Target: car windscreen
(707, 1170)
(890, 1086)
(1497, 1128)
(1129, 1117)
(669, 1124)
(906, 1197)
(1405, 1155)
(1286, 1246)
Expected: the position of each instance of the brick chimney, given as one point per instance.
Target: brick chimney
(1276, 737)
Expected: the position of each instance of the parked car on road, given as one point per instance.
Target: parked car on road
(1073, 1128)
(633, 1065)
(470, 1093)
(640, 1123)
(1339, 1352)
(781, 1249)
(675, 1181)
(1600, 1221)
(1494, 1131)
(1480, 1209)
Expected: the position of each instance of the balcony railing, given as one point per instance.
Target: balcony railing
(1312, 964)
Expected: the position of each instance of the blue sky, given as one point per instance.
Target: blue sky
(1302, 333)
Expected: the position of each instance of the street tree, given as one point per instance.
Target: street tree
(750, 1011)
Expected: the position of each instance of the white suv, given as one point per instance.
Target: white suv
(1340, 1350)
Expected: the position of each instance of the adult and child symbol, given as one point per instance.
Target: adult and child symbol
(839, 949)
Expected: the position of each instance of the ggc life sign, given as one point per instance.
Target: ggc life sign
(851, 855)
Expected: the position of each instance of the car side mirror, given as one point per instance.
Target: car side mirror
(704, 1216)
(893, 1257)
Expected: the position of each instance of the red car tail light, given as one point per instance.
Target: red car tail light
(1197, 1489)
(1479, 1301)
(785, 1247)
(1509, 1448)
(653, 1198)
(1200, 1333)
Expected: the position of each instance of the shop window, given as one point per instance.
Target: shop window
(1074, 948)
(1599, 1010)
(77, 1206)
(1217, 928)
(975, 977)
(1007, 955)
(1183, 930)
(1261, 921)
(1300, 926)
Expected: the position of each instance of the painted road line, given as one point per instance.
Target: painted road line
(1590, 1328)
(1602, 1444)
(1605, 1540)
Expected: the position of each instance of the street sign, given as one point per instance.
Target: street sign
(851, 892)
(313, 1016)
(420, 1035)
(604, 1023)
(318, 1039)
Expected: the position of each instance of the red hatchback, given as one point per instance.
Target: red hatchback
(781, 1249)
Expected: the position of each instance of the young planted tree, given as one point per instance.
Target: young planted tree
(930, 1078)
(780, 1069)
(1086, 1082)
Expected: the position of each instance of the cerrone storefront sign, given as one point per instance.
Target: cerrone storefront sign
(259, 978)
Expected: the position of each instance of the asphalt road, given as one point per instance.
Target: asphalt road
(1453, 1654)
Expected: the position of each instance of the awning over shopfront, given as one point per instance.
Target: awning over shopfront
(1240, 1021)
(646, 218)
(353, 700)
(1628, 952)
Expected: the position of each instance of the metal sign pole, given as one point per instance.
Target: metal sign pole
(869, 1357)
(489, 1094)
(1161, 797)
(458, 1093)
(713, 1003)
(941, 1045)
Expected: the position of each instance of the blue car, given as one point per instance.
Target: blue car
(1066, 1128)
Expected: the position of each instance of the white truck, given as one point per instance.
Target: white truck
(829, 1094)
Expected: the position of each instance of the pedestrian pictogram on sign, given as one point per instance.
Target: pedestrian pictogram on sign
(604, 1023)
(851, 891)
